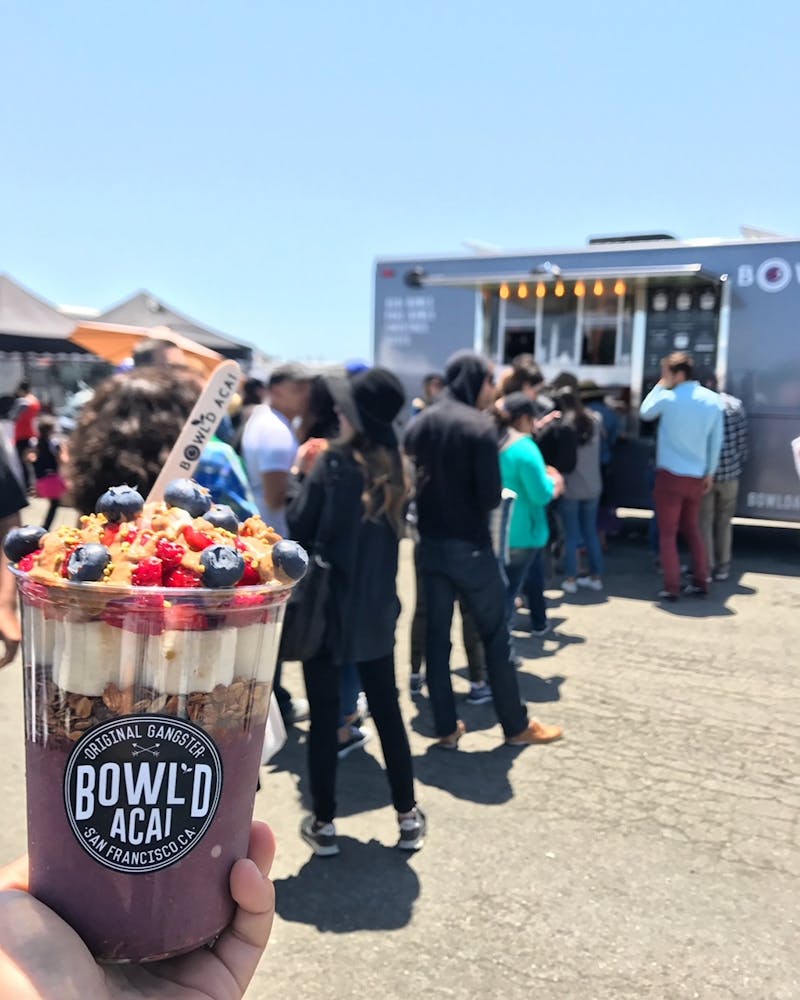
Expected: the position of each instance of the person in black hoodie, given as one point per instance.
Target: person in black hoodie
(359, 487)
(454, 447)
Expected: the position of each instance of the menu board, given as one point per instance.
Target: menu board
(680, 318)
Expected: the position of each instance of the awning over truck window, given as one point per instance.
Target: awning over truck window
(419, 278)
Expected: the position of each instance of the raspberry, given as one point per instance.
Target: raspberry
(147, 617)
(114, 613)
(182, 578)
(65, 565)
(197, 540)
(109, 534)
(250, 577)
(37, 595)
(247, 609)
(148, 573)
(170, 553)
(184, 618)
(26, 562)
(143, 617)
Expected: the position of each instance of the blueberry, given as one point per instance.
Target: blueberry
(120, 503)
(223, 566)
(290, 558)
(20, 542)
(221, 516)
(87, 562)
(188, 495)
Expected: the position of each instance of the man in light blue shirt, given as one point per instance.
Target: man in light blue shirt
(687, 454)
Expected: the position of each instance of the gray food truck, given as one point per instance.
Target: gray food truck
(608, 312)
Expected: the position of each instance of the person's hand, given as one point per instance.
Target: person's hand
(10, 634)
(708, 484)
(548, 418)
(42, 958)
(667, 379)
(558, 480)
(308, 453)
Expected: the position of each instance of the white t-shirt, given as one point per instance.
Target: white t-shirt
(268, 445)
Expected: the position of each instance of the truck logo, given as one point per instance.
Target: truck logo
(771, 275)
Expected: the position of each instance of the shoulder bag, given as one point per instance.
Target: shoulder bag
(306, 618)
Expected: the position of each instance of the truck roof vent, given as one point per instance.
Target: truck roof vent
(632, 238)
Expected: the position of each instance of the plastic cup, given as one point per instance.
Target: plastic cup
(144, 715)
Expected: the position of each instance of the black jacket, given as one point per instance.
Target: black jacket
(558, 444)
(364, 605)
(454, 448)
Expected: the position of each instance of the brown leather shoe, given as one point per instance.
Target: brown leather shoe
(536, 732)
(451, 742)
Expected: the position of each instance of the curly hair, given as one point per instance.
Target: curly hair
(126, 430)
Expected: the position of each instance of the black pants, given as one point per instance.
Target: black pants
(453, 568)
(23, 447)
(378, 684)
(51, 513)
(476, 661)
(282, 696)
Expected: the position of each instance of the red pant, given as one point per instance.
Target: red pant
(678, 509)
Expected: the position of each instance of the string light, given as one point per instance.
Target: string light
(522, 291)
(504, 292)
(580, 289)
(559, 289)
(619, 287)
(541, 291)
(598, 287)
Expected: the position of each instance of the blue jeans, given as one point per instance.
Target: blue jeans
(580, 523)
(349, 688)
(453, 568)
(534, 591)
(518, 570)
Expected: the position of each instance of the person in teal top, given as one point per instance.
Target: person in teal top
(523, 470)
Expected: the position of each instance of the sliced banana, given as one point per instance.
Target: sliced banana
(256, 652)
(179, 662)
(87, 655)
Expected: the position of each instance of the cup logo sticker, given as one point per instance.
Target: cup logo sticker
(141, 791)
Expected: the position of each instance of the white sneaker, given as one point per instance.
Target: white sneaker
(590, 582)
(569, 587)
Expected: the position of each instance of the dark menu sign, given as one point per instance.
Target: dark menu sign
(680, 318)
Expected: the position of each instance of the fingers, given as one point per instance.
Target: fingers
(11, 646)
(240, 947)
(15, 875)
(261, 848)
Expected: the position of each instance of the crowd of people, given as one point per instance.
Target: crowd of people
(499, 481)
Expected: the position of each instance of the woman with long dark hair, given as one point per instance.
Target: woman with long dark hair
(357, 489)
(582, 489)
(318, 428)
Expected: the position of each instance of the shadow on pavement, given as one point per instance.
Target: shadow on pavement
(529, 647)
(538, 689)
(368, 887)
(476, 775)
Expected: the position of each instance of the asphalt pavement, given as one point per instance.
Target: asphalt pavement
(653, 853)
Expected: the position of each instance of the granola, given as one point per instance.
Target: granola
(67, 715)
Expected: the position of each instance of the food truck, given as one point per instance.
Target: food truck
(609, 312)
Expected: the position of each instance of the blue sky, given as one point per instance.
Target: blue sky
(247, 162)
